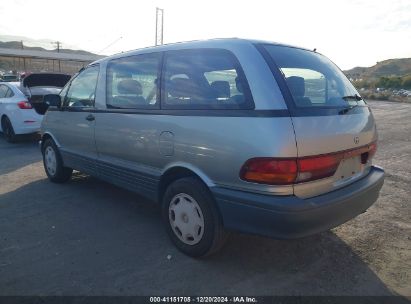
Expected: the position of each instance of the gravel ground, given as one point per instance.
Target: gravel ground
(87, 237)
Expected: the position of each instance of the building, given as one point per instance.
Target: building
(23, 60)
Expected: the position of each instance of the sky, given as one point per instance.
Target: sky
(350, 32)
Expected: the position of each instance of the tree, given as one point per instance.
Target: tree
(383, 82)
(361, 84)
(406, 82)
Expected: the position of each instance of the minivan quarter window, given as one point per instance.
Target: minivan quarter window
(204, 79)
(132, 82)
(82, 90)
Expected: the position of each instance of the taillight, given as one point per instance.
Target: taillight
(310, 168)
(286, 171)
(373, 150)
(24, 105)
(269, 171)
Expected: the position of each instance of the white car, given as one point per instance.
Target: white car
(17, 114)
(21, 106)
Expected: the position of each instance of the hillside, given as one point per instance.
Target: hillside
(8, 64)
(17, 45)
(391, 67)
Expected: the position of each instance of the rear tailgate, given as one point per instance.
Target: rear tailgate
(329, 134)
(37, 85)
(57, 80)
(334, 128)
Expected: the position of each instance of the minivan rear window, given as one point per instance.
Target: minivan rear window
(312, 79)
(204, 79)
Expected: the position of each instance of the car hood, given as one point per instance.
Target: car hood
(46, 80)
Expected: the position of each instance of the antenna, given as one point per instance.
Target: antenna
(159, 26)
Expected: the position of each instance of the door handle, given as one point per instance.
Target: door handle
(90, 117)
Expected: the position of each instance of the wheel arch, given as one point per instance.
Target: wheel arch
(48, 135)
(180, 170)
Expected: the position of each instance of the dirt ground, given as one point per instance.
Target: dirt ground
(87, 237)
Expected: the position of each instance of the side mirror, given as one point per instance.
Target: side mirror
(52, 100)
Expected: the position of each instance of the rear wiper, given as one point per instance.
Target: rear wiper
(347, 109)
(352, 97)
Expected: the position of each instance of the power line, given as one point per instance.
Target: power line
(115, 41)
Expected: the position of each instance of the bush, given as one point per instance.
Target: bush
(406, 82)
(391, 82)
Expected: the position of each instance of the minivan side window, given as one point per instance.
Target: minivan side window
(82, 90)
(204, 79)
(132, 82)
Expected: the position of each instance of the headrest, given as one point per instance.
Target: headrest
(183, 88)
(129, 86)
(296, 85)
(221, 88)
(239, 85)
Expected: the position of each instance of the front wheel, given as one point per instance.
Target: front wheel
(192, 219)
(53, 164)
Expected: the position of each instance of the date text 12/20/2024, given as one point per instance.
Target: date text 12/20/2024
(233, 299)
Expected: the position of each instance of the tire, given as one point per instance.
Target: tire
(53, 164)
(8, 130)
(191, 218)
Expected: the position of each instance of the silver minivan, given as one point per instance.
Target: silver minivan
(224, 134)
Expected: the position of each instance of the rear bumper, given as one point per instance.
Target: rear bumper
(287, 217)
(26, 121)
(27, 129)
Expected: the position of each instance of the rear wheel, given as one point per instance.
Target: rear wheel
(53, 164)
(8, 130)
(192, 219)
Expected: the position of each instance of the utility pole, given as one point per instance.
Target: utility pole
(22, 45)
(159, 26)
(58, 46)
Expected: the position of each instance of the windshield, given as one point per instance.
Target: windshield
(9, 77)
(313, 80)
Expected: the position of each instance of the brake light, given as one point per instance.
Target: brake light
(24, 105)
(286, 171)
(373, 150)
(310, 168)
(270, 171)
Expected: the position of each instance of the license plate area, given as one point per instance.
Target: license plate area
(350, 167)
